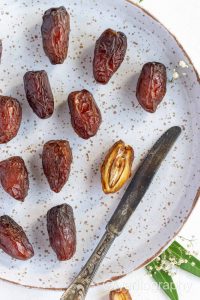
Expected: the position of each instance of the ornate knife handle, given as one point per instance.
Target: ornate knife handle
(79, 287)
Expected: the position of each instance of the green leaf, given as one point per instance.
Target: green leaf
(163, 279)
(191, 264)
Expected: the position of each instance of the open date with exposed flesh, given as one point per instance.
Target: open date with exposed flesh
(85, 114)
(120, 294)
(10, 118)
(55, 34)
(56, 161)
(110, 50)
(62, 231)
(38, 93)
(13, 239)
(116, 168)
(14, 177)
(151, 86)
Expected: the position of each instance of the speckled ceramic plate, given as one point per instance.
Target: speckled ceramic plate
(170, 198)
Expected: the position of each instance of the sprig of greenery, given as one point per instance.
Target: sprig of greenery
(163, 279)
(184, 259)
(160, 268)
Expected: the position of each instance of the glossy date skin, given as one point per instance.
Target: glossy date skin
(55, 34)
(151, 86)
(85, 114)
(62, 231)
(14, 177)
(56, 161)
(109, 53)
(13, 239)
(39, 94)
(10, 118)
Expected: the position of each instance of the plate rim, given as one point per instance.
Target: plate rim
(197, 197)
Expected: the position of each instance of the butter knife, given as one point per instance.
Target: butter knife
(128, 204)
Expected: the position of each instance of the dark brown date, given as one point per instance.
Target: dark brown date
(0, 49)
(14, 177)
(13, 239)
(109, 53)
(62, 231)
(10, 118)
(56, 161)
(85, 114)
(39, 94)
(55, 34)
(151, 86)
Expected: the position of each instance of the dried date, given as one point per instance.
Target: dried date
(85, 114)
(62, 231)
(109, 53)
(10, 118)
(151, 86)
(13, 239)
(55, 34)
(39, 94)
(116, 168)
(14, 177)
(56, 161)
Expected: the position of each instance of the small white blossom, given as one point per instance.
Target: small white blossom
(175, 75)
(183, 64)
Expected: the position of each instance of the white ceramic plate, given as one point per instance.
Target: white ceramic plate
(171, 197)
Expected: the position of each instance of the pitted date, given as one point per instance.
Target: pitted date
(120, 294)
(56, 161)
(10, 118)
(14, 177)
(85, 114)
(13, 239)
(151, 86)
(116, 168)
(55, 34)
(62, 231)
(38, 93)
(109, 53)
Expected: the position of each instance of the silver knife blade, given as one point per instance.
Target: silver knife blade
(142, 179)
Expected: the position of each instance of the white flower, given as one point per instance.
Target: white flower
(183, 64)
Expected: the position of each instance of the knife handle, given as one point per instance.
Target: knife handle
(79, 287)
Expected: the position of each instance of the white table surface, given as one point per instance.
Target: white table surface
(182, 18)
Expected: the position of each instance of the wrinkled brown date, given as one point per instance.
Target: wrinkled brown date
(56, 160)
(109, 53)
(62, 231)
(55, 34)
(116, 168)
(39, 94)
(10, 118)
(151, 86)
(14, 177)
(85, 114)
(13, 239)
(120, 294)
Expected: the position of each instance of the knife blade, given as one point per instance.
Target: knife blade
(142, 179)
(128, 204)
